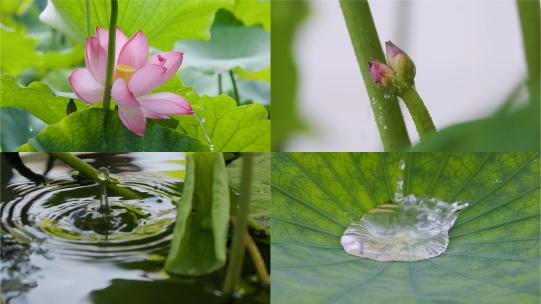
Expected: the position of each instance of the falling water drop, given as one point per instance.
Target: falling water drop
(103, 176)
(212, 147)
(398, 195)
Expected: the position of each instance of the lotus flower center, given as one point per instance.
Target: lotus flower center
(124, 71)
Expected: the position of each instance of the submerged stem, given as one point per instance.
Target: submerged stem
(235, 89)
(110, 56)
(366, 45)
(258, 261)
(255, 254)
(236, 257)
(418, 111)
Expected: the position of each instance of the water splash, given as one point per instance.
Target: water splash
(408, 228)
(67, 216)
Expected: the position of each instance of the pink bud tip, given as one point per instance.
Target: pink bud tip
(378, 71)
(392, 50)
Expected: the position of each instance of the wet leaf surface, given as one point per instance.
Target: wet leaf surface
(493, 254)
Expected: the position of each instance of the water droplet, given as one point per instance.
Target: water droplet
(30, 129)
(103, 174)
(212, 147)
(402, 164)
(74, 174)
(398, 195)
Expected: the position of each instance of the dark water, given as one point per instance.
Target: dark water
(56, 247)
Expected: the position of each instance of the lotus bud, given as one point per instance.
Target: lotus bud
(383, 76)
(400, 62)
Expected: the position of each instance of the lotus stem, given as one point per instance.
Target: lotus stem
(257, 259)
(87, 12)
(220, 89)
(528, 11)
(110, 56)
(365, 41)
(235, 89)
(418, 111)
(236, 257)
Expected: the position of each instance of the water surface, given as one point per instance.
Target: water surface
(58, 246)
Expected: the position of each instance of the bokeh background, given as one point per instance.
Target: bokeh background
(469, 58)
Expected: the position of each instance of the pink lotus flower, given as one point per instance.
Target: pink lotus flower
(135, 75)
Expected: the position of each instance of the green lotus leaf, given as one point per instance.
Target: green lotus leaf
(252, 12)
(229, 127)
(263, 75)
(493, 253)
(18, 51)
(37, 99)
(163, 22)
(515, 131)
(230, 46)
(200, 236)
(16, 126)
(87, 130)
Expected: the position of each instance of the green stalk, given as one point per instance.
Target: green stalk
(220, 90)
(236, 257)
(528, 11)
(88, 29)
(418, 111)
(365, 41)
(110, 56)
(255, 254)
(257, 259)
(90, 172)
(235, 89)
